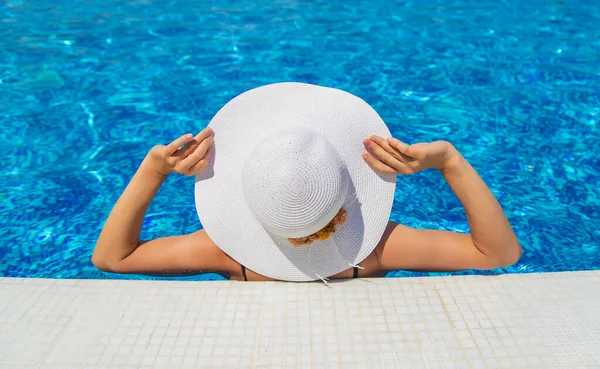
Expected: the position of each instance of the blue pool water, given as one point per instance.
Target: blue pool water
(87, 88)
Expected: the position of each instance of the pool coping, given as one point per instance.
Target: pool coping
(540, 320)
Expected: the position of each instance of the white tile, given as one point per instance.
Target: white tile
(521, 321)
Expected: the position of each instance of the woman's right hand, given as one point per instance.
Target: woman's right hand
(393, 156)
(186, 155)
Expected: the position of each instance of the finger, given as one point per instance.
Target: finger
(198, 167)
(382, 155)
(208, 152)
(413, 151)
(390, 149)
(202, 164)
(175, 145)
(204, 134)
(197, 155)
(376, 165)
(398, 145)
(193, 143)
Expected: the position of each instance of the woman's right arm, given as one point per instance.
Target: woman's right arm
(491, 232)
(492, 242)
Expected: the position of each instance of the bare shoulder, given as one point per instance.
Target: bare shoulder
(206, 254)
(190, 253)
(408, 248)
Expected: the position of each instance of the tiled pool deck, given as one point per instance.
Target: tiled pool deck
(510, 321)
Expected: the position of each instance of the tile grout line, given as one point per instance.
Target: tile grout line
(447, 313)
(480, 306)
(257, 335)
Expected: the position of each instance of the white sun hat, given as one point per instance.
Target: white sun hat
(286, 159)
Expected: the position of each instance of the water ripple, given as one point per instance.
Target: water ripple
(86, 90)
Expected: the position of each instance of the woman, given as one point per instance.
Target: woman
(491, 244)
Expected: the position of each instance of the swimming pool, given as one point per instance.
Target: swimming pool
(86, 90)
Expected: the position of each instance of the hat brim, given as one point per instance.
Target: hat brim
(342, 118)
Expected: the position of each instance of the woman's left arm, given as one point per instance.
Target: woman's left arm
(120, 235)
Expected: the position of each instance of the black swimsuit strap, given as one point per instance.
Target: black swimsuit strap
(355, 272)
(244, 273)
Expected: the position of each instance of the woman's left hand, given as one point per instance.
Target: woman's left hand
(186, 155)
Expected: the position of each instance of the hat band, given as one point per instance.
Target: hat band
(324, 233)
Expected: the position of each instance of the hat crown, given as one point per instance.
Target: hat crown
(295, 182)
